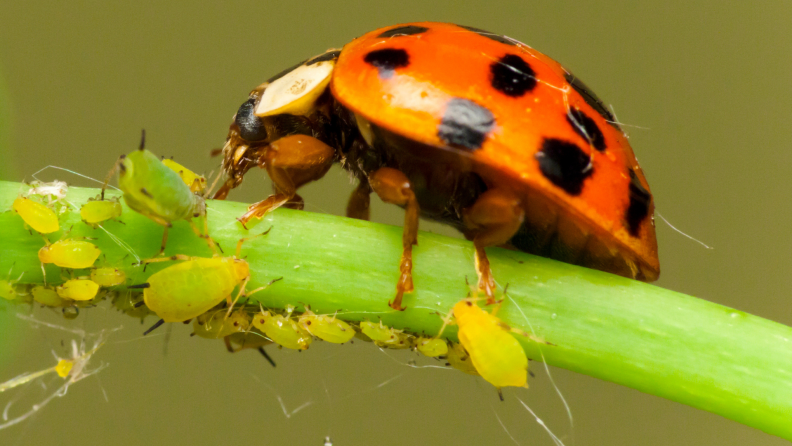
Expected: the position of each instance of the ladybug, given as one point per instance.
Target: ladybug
(461, 126)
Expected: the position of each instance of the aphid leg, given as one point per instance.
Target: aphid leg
(291, 162)
(360, 201)
(164, 238)
(110, 174)
(392, 186)
(172, 258)
(243, 240)
(205, 234)
(493, 219)
(242, 292)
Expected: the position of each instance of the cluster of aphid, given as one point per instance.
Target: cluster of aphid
(165, 191)
(486, 345)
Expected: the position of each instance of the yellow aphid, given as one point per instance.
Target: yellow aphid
(282, 330)
(385, 336)
(48, 296)
(64, 367)
(196, 183)
(78, 289)
(459, 359)
(215, 325)
(326, 328)
(108, 277)
(188, 289)
(97, 211)
(431, 347)
(75, 254)
(7, 290)
(36, 215)
(494, 351)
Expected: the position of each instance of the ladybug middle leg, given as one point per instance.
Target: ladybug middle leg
(359, 201)
(492, 220)
(392, 186)
(291, 162)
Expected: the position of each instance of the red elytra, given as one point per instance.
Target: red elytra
(461, 126)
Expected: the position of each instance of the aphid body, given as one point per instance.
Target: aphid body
(384, 336)
(494, 351)
(282, 330)
(108, 277)
(75, 254)
(47, 296)
(98, 211)
(432, 347)
(36, 215)
(215, 325)
(78, 289)
(190, 288)
(326, 328)
(196, 183)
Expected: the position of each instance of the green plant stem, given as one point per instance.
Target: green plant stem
(648, 338)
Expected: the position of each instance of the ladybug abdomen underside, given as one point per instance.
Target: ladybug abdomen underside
(515, 119)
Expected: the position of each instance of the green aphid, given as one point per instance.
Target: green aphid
(156, 191)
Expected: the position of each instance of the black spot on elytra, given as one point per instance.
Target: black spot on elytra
(512, 76)
(489, 35)
(584, 126)
(284, 72)
(591, 99)
(638, 210)
(409, 30)
(251, 127)
(465, 124)
(564, 164)
(330, 55)
(387, 60)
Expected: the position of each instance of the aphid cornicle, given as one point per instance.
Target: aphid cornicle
(462, 126)
(36, 215)
(157, 192)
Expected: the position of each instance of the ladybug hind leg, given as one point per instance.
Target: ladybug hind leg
(291, 162)
(392, 186)
(491, 221)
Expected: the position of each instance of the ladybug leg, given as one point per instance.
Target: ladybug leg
(392, 186)
(291, 162)
(492, 220)
(296, 202)
(359, 201)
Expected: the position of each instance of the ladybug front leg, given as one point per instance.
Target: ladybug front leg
(493, 220)
(291, 162)
(392, 186)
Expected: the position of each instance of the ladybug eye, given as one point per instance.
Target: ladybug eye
(251, 127)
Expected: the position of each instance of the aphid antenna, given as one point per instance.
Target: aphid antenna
(208, 192)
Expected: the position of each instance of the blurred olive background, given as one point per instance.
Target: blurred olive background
(704, 90)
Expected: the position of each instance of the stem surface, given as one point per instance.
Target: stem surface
(628, 332)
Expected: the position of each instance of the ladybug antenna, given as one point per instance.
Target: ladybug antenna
(142, 139)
